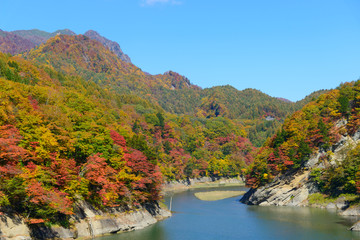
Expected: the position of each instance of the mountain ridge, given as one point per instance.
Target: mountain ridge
(37, 37)
(13, 44)
(113, 46)
(80, 124)
(172, 91)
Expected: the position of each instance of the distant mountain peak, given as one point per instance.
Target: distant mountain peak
(81, 52)
(284, 99)
(111, 45)
(35, 36)
(92, 32)
(63, 31)
(14, 44)
(177, 81)
(23, 40)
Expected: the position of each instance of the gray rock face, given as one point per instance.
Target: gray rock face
(93, 222)
(103, 226)
(342, 205)
(111, 45)
(64, 233)
(351, 211)
(313, 160)
(293, 189)
(283, 191)
(14, 228)
(40, 231)
(357, 135)
(88, 223)
(355, 227)
(331, 206)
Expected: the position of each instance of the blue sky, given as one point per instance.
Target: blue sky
(285, 48)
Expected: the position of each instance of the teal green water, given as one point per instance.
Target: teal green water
(229, 219)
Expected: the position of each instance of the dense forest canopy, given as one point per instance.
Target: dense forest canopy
(64, 139)
(79, 123)
(88, 58)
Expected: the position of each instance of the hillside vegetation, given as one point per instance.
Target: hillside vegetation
(317, 127)
(173, 92)
(80, 55)
(79, 123)
(65, 139)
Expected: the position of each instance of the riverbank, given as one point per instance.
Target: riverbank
(87, 222)
(172, 187)
(227, 219)
(297, 191)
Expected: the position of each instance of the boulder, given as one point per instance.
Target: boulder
(40, 231)
(83, 229)
(351, 211)
(64, 233)
(103, 226)
(331, 206)
(14, 228)
(356, 226)
(342, 205)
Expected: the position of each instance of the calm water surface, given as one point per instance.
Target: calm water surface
(229, 219)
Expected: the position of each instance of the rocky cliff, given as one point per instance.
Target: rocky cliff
(202, 182)
(87, 222)
(286, 190)
(111, 45)
(293, 188)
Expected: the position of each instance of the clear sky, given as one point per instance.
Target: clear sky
(285, 48)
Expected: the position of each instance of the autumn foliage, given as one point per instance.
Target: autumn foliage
(64, 139)
(317, 127)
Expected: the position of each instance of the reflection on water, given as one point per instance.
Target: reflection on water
(309, 219)
(153, 232)
(229, 219)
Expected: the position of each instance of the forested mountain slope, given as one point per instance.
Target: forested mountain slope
(79, 123)
(111, 45)
(80, 55)
(24, 40)
(318, 145)
(14, 44)
(38, 36)
(64, 139)
(259, 113)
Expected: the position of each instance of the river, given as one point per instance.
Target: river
(229, 219)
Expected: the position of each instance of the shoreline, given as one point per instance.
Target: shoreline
(342, 206)
(172, 187)
(217, 195)
(87, 223)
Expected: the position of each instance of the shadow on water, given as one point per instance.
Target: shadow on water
(153, 232)
(306, 218)
(309, 223)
